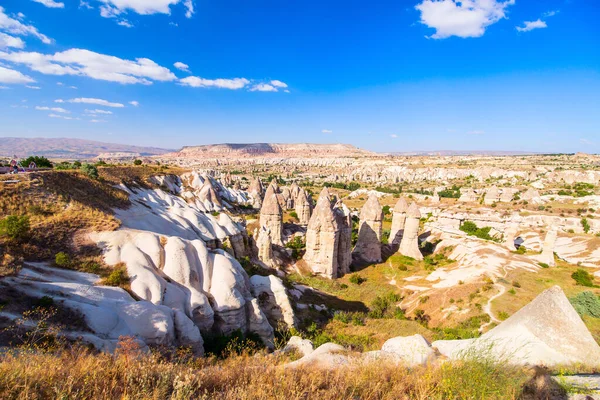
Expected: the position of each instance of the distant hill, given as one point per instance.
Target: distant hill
(66, 148)
(284, 150)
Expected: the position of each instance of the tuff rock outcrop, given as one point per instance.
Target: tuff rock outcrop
(303, 207)
(409, 246)
(398, 220)
(271, 216)
(368, 246)
(264, 246)
(323, 240)
(547, 255)
(273, 300)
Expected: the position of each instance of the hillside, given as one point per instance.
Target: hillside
(68, 148)
(297, 150)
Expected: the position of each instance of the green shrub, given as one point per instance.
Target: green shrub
(357, 279)
(386, 210)
(137, 162)
(15, 227)
(41, 162)
(385, 236)
(90, 170)
(502, 315)
(543, 265)
(521, 250)
(583, 278)
(516, 284)
(586, 303)
(385, 306)
(585, 224)
(118, 277)
(294, 215)
(473, 230)
(62, 259)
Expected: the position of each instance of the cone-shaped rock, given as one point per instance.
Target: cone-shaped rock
(548, 331)
(264, 245)
(368, 246)
(208, 195)
(271, 217)
(322, 239)
(344, 221)
(398, 220)
(547, 255)
(492, 195)
(409, 246)
(294, 190)
(303, 208)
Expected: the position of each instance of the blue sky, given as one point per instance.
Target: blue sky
(398, 75)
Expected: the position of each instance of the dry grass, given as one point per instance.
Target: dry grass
(77, 373)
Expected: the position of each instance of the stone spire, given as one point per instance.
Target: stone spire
(264, 245)
(288, 199)
(256, 191)
(303, 207)
(208, 195)
(368, 246)
(409, 246)
(344, 222)
(322, 239)
(294, 190)
(398, 220)
(547, 255)
(271, 217)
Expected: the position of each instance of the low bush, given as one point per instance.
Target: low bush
(90, 170)
(118, 277)
(357, 279)
(62, 260)
(586, 303)
(385, 307)
(583, 278)
(15, 227)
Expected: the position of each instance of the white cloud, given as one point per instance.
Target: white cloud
(462, 18)
(97, 121)
(99, 102)
(551, 13)
(181, 66)
(94, 65)
(32, 87)
(263, 87)
(72, 87)
(50, 3)
(134, 103)
(55, 109)
(125, 23)
(60, 116)
(279, 84)
(144, 7)
(326, 131)
(476, 132)
(59, 101)
(393, 136)
(85, 4)
(15, 27)
(11, 76)
(7, 41)
(531, 25)
(3, 87)
(97, 111)
(59, 84)
(233, 84)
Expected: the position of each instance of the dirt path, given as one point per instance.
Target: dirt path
(488, 306)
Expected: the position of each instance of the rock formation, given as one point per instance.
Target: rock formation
(294, 190)
(398, 220)
(264, 246)
(435, 198)
(271, 216)
(510, 234)
(548, 331)
(303, 207)
(256, 191)
(547, 255)
(323, 239)
(408, 350)
(468, 196)
(368, 246)
(492, 195)
(344, 222)
(273, 300)
(409, 246)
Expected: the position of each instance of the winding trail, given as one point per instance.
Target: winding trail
(488, 306)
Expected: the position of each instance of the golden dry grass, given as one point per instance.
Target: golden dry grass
(79, 374)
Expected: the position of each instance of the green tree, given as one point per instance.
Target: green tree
(15, 227)
(41, 162)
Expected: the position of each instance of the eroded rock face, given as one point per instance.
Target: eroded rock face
(509, 236)
(323, 239)
(344, 222)
(273, 300)
(409, 246)
(109, 312)
(410, 351)
(209, 286)
(492, 195)
(271, 216)
(303, 207)
(368, 246)
(398, 220)
(264, 245)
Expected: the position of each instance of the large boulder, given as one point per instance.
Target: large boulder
(326, 356)
(410, 350)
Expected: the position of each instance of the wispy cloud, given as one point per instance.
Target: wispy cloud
(50, 3)
(87, 100)
(326, 131)
(476, 132)
(531, 25)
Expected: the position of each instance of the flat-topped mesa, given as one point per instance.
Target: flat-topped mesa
(344, 221)
(271, 217)
(409, 246)
(368, 246)
(322, 239)
(398, 220)
(547, 256)
(492, 195)
(303, 208)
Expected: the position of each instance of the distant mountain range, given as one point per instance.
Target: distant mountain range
(283, 150)
(67, 148)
